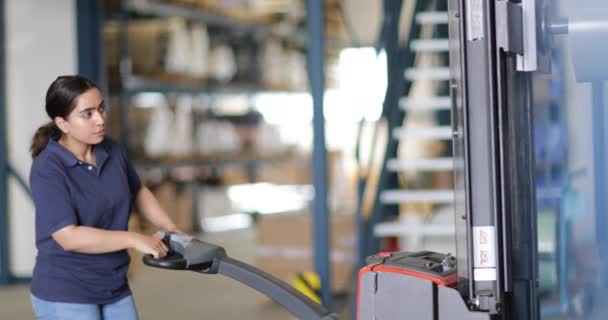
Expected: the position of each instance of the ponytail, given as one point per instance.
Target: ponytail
(59, 102)
(42, 137)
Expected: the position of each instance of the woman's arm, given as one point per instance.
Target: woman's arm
(96, 241)
(147, 204)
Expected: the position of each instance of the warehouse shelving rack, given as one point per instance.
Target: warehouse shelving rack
(130, 84)
(314, 44)
(90, 20)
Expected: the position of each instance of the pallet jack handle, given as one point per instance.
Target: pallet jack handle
(189, 253)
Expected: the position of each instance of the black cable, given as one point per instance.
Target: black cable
(22, 183)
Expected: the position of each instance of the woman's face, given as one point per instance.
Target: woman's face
(86, 123)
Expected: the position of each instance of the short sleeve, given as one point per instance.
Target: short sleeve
(54, 208)
(132, 176)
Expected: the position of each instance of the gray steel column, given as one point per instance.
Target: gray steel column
(4, 265)
(599, 171)
(518, 194)
(316, 56)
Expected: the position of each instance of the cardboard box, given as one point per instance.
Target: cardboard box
(177, 201)
(285, 247)
(297, 169)
(147, 44)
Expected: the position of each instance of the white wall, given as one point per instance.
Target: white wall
(40, 45)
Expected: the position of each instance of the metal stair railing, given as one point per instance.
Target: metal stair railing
(399, 58)
(401, 76)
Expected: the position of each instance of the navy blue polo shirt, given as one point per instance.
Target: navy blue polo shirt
(67, 191)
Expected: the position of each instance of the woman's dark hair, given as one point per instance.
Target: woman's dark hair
(60, 101)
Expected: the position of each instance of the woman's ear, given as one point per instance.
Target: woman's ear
(63, 125)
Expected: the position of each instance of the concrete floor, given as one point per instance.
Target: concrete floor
(162, 294)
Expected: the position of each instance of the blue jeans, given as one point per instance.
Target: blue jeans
(123, 309)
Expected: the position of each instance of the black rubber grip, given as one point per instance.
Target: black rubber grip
(173, 262)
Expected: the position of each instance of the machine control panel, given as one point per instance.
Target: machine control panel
(436, 267)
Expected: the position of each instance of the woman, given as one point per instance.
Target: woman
(83, 187)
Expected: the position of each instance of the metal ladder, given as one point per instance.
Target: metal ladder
(388, 195)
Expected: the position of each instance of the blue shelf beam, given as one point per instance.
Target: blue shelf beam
(228, 160)
(159, 9)
(315, 21)
(89, 21)
(137, 84)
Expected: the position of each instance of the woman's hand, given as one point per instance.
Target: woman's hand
(149, 245)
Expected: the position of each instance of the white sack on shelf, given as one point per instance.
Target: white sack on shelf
(272, 63)
(158, 135)
(270, 6)
(268, 138)
(199, 39)
(229, 140)
(182, 138)
(217, 136)
(179, 49)
(295, 70)
(206, 137)
(222, 63)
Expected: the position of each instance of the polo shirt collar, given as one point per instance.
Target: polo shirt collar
(69, 159)
(101, 154)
